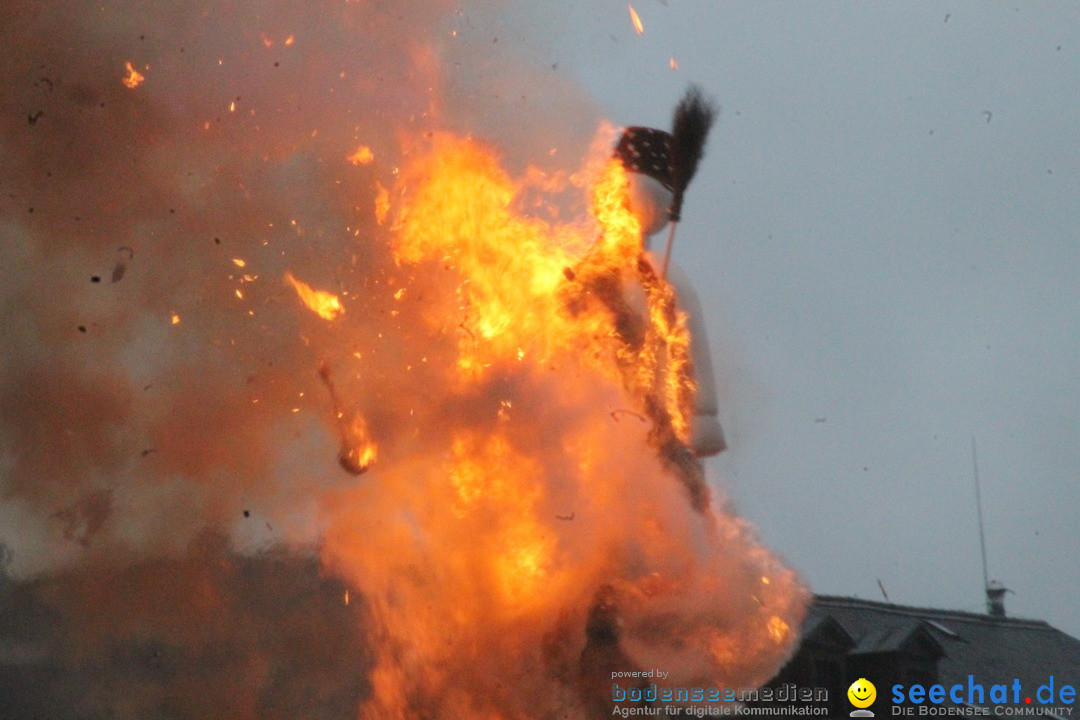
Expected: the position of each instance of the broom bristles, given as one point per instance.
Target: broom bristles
(694, 116)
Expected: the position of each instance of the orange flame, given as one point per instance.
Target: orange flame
(638, 27)
(358, 451)
(778, 629)
(134, 78)
(512, 493)
(362, 156)
(382, 203)
(325, 305)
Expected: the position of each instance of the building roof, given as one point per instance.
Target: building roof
(909, 638)
(996, 650)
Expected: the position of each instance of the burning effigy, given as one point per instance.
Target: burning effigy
(545, 470)
(350, 326)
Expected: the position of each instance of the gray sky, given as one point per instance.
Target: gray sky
(884, 236)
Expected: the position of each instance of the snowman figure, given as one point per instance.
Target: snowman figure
(654, 196)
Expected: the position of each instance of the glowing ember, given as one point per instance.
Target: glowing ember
(673, 64)
(382, 203)
(358, 451)
(325, 305)
(638, 27)
(175, 319)
(134, 78)
(778, 629)
(362, 156)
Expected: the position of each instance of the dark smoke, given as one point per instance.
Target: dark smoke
(149, 452)
(168, 451)
(209, 634)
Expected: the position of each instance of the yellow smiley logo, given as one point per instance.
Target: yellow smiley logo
(862, 693)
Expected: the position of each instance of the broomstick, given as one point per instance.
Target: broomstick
(694, 116)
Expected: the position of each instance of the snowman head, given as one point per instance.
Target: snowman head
(645, 153)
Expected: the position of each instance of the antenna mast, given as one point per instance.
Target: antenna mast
(978, 506)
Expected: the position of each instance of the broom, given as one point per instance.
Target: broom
(690, 125)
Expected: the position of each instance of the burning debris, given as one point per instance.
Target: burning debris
(325, 305)
(636, 20)
(134, 78)
(534, 335)
(358, 452)
(362, 156)
(514, 379)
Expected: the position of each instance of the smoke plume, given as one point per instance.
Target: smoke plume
(179, 536)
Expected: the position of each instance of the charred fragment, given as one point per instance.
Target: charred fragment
(351, 460)
(358, 451)
(120, 268)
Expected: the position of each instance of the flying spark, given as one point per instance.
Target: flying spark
(134, 78)
(636, 20)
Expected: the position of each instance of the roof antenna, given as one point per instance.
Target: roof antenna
(995, 591)
(978, 507)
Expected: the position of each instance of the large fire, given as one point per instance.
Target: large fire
(536, 470)
(396, 430)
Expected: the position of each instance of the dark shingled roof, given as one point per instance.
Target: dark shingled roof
(993, 649)
(898, 639)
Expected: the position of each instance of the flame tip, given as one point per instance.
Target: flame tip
(636, 19)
